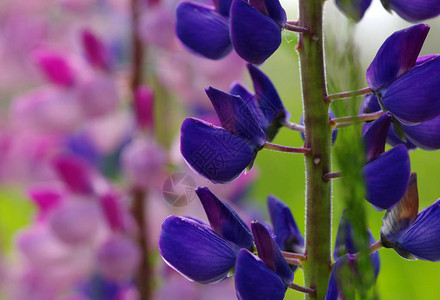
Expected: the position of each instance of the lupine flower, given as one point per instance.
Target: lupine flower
(212, 31)
(200, 252)
(413, 10)
(413, 235)
(386, 174)
(221, 154)
(370, 104)
(410, 10)
(95, 51)
(266, 276)
(410, 92)
(287, 234)
(353, 9)
(345, 255)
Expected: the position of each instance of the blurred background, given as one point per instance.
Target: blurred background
(85, 180)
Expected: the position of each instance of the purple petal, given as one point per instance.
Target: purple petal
(214, 152)
(250, 100)
(370, 104)
(203, 30)
(400, 216)
(425, 135)
(236, 117)
(255, 281)
(255, 36)
(333, 290)
(415, 10)
(394, 140)
(422, 59)
(144, 107)
(353, 9)
(224, 220)
(268, 102)
(415, 97)
(223, 6)
(397, 56)
(270, 254)
(276, 11)
(195, 250)
(75, 173)
(387, 177)
(375, 136)
(344, 238)
(56, 68)
(288, 236)
(96, 52)
(422, 238)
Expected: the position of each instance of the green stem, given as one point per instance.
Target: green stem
(317, 137)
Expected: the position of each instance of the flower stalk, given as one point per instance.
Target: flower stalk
(286, 149)
(318, 138)
(350, 94)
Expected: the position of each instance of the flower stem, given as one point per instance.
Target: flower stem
(293, 261)
(318, 138)
(350, 94)
(286, 149)
(359, 118)
(294, 255)
(376, 246)
(294, 28)
(301, 289)
(329, 176)
(294, 126)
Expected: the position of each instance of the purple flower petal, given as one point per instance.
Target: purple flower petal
(288, 236)
(425, 135)
(415, 10)
(375, 136)
(270, 254)
(96, 52)
(422, 238)
(255, 36)
(203, 30)
(214, 152)
(276, 11)
(75, 173)
(224, 220)
(422, 59)
(56, 68)
(415, 97)
(370, 104)
(255, 281)
(397, 56)
(223, 6)
(344, 243)
(353, 9)
(400, 216)
(236, 117)
(195, 250)
(268, 102)
(387, 177)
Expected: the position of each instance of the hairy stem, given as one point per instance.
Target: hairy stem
(301, 289)
(350, 94)
(286, 149)
(294, 126)
(297, 256)
(359, 118)
(317, 137)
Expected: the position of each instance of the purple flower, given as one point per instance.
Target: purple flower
(353, 9)
(413, 235)
(200, 252)
(413, 10)
(266, 277)
(221, 154)
(288, 236)
(345, 254)
(410, 91)
(252, 28)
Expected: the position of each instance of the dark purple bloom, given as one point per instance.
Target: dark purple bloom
(413, 10)
(252, 28)
(266, 277)
(411, 234)
(254, 280)
(288, 236)
(387, 177)
(374, 136)
(221, 154)
(425, 135)
(371, 104)
(408, 90)
(353, 9)
(95, 51)
(199, 252)
(345, 256)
